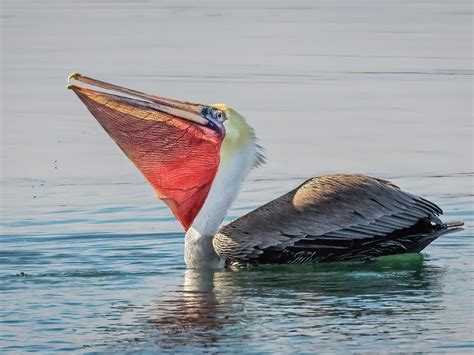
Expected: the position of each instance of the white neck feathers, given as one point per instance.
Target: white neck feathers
(239, 154)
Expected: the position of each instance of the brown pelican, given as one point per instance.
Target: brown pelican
(196, 157)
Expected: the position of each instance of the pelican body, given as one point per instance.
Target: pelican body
(196, 158)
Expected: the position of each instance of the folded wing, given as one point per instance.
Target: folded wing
(332, 217)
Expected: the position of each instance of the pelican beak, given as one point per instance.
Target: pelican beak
(136, 100)
(175, 144)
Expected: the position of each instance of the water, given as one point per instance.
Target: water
(381, 89)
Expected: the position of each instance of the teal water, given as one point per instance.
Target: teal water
(94, 283)
(91, 262)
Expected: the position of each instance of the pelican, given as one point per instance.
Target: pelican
(196, 158)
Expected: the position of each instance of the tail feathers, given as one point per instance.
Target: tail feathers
(419, 242)
(453, 224)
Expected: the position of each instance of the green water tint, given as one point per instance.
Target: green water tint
(412, 261)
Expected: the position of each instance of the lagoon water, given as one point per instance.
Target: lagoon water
(91, 262)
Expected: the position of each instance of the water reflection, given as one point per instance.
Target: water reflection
(215, 309)
(191, 314)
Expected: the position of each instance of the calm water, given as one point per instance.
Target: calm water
(330, 87)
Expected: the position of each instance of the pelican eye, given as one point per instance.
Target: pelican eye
(219, 115)
(215, 119)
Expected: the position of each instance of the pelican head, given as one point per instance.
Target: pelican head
(190, 153)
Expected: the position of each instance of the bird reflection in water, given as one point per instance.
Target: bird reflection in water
(216, 308)
(196, 314)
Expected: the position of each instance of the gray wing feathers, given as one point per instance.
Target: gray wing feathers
(333, 206)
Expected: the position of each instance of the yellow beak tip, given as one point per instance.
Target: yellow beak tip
(71, 86)
(73, 76)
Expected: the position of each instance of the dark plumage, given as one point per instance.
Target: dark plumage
(331, 218)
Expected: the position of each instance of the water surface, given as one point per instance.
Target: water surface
(90, 261)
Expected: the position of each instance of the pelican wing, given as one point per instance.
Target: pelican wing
(329, 218)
